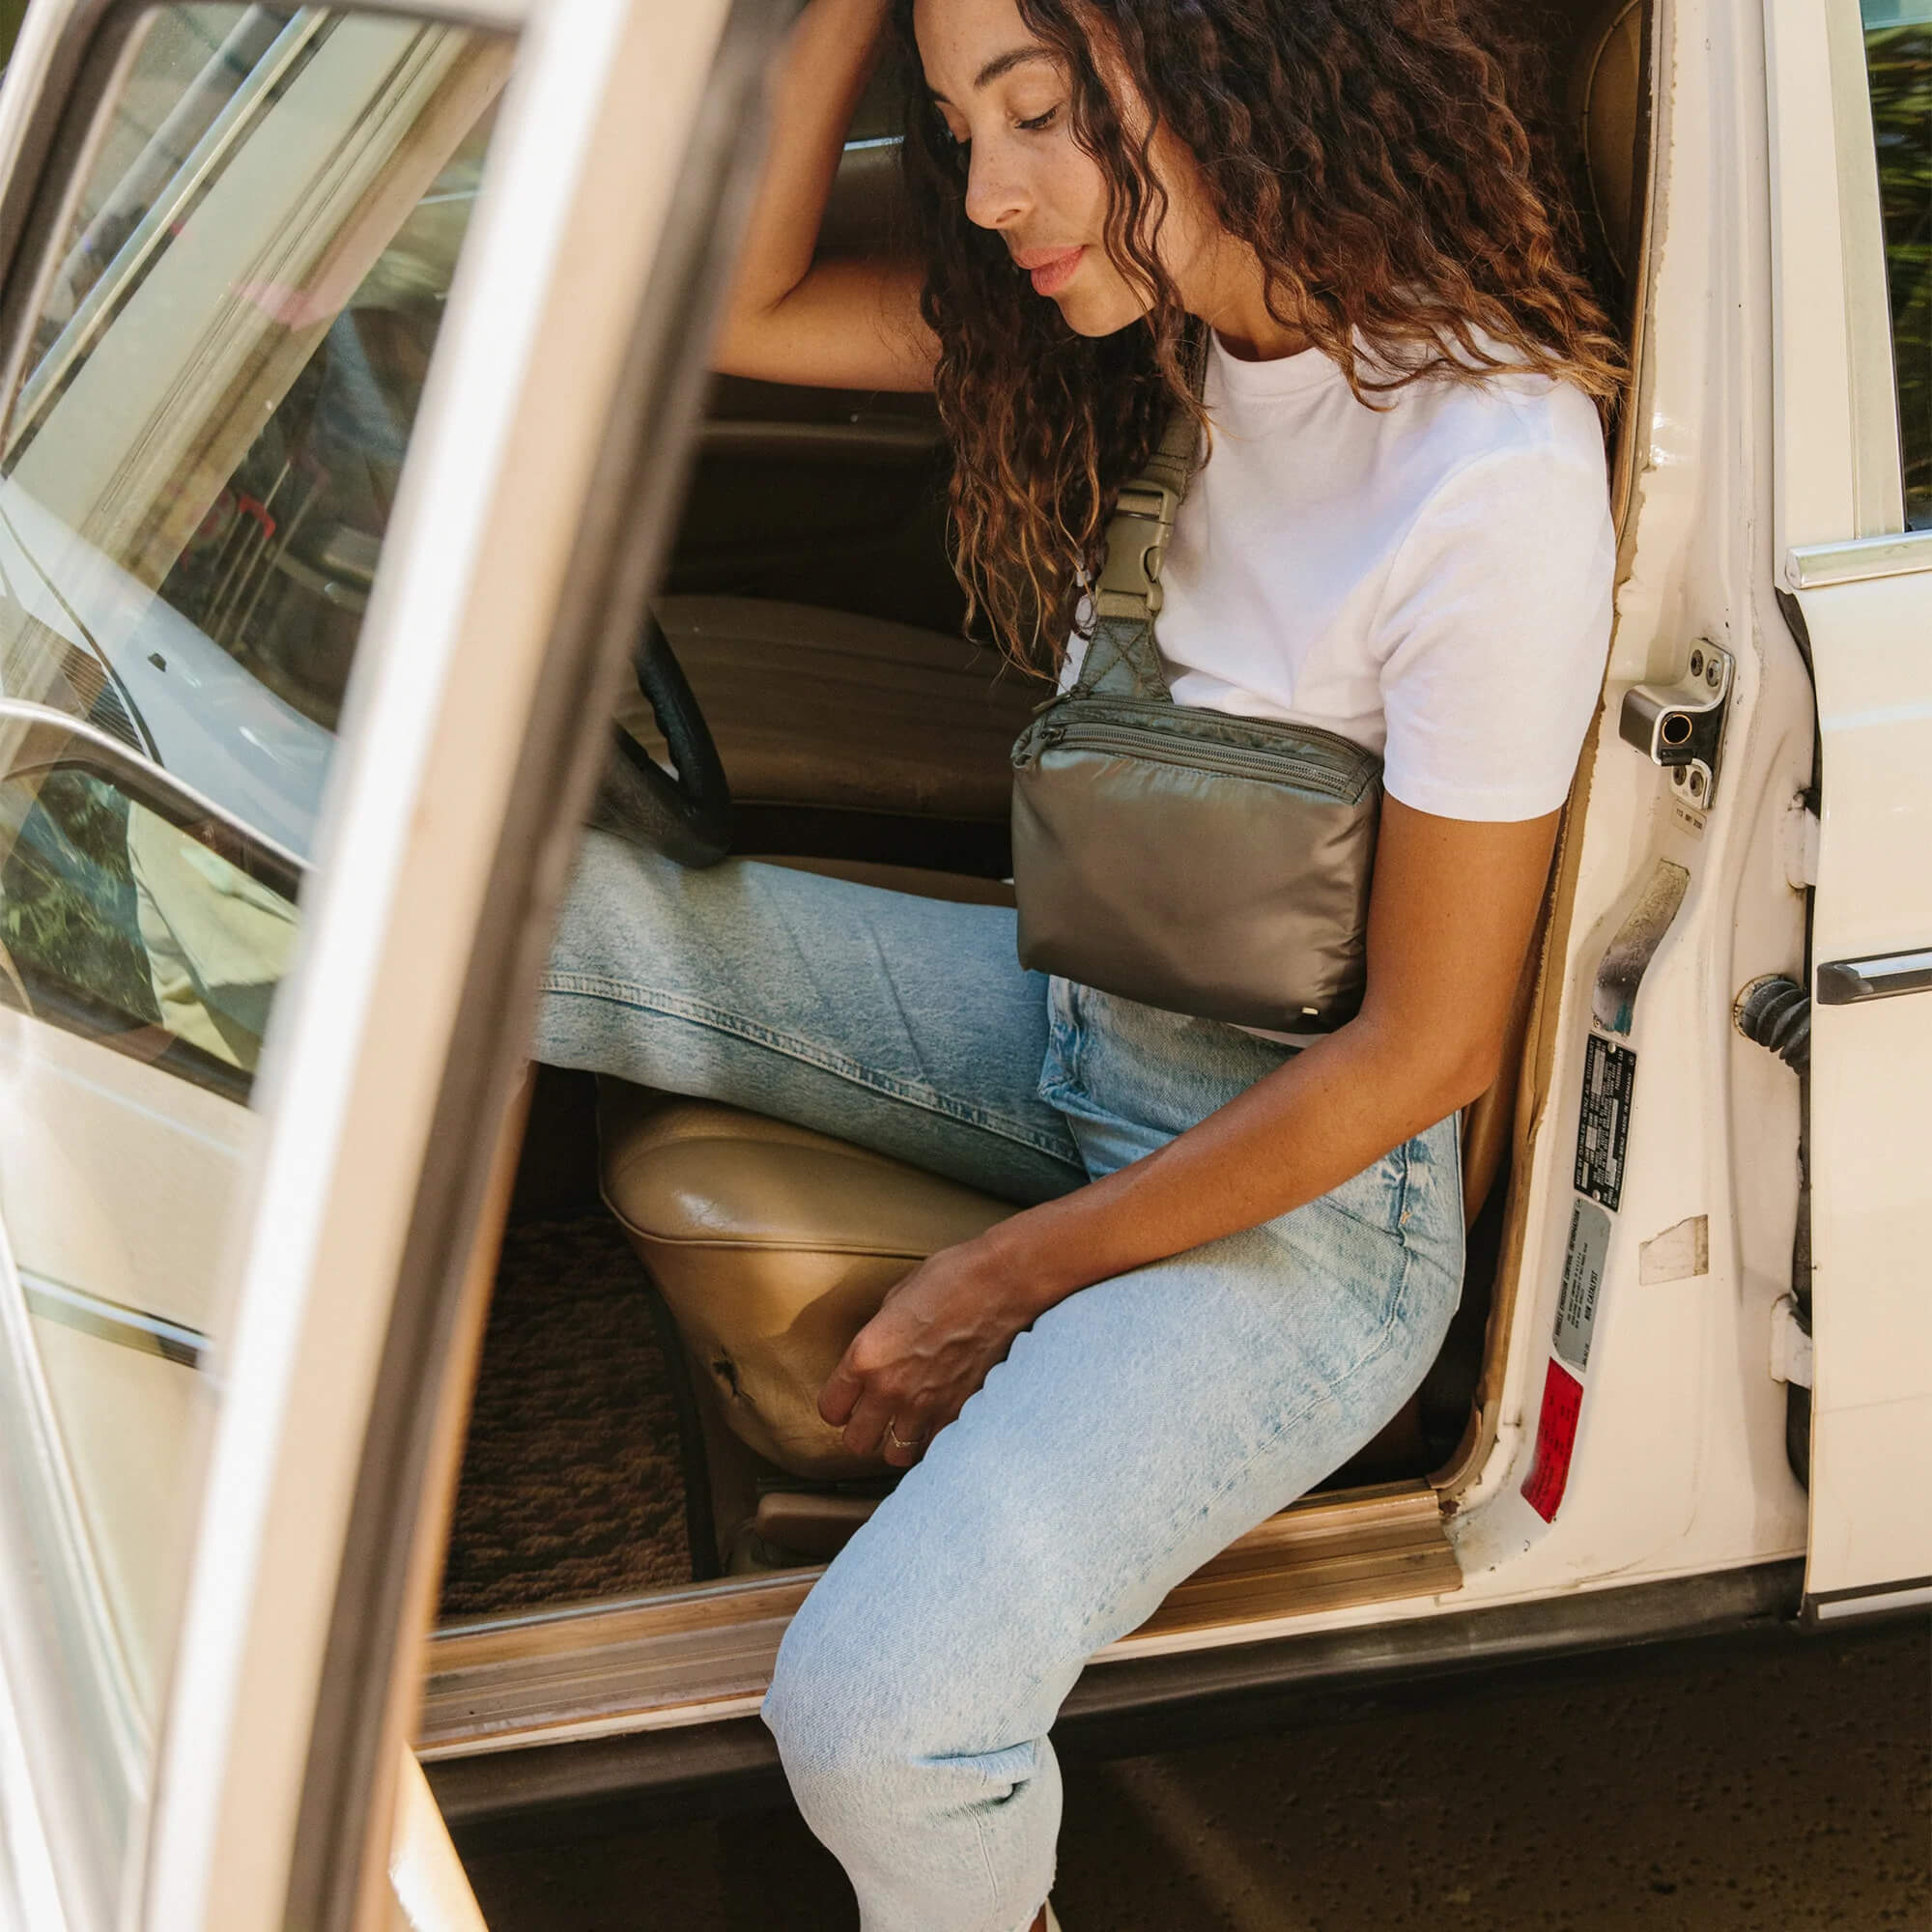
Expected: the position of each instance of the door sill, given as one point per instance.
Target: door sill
(705, 1652)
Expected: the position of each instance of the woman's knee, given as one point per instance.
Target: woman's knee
(872, 1680)
(886, 1743)
(842, 1723)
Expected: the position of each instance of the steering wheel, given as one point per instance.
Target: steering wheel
(687, 817)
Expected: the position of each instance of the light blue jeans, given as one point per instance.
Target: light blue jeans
(1133, 1430)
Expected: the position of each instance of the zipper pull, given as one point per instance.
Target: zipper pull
(1038, 738)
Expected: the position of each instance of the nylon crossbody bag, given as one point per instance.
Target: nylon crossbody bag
(1202, 862)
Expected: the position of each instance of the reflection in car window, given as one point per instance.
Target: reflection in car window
(1899, 62)
(67, 897)
(123, 924)
(279, 571)
(201, 463)
(224, 374)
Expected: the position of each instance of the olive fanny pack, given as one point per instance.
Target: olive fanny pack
(1204, 863)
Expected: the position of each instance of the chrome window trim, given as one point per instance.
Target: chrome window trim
(137, 1328)
(1879, 976)
(1814, 566)
(116, 762)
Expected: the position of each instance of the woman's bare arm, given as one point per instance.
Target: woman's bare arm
(1444, 964)
(838, 324)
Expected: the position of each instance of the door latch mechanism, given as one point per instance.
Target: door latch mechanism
(1681, 726)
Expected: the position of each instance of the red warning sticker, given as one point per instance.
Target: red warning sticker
(1555, 1438)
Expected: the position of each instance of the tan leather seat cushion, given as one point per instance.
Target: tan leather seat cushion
(772, 1246)
(818, 708)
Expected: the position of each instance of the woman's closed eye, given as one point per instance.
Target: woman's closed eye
(1030, 124)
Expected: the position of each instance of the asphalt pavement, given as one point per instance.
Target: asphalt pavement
(1721, 1787)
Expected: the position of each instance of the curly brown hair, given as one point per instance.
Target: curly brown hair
(1370, 154)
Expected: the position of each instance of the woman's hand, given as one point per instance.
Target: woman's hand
(932, 1344)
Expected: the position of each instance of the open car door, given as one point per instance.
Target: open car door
(336, 342)
(1854, 553)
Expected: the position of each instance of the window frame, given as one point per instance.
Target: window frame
(519, 563)
(1839, 494)
(92, 1763)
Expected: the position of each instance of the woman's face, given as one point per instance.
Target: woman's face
(999, 91)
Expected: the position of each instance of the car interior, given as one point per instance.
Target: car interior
(677, 1277)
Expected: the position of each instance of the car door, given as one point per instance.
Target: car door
(323, 335)
(1851, 127)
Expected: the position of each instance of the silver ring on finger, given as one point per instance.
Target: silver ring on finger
(894, 1440)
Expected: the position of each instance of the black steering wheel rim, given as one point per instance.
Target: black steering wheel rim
(687, 817)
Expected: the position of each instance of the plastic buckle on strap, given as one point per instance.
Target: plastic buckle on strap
(1132, 572)
(1145, 498)
(1137, 535)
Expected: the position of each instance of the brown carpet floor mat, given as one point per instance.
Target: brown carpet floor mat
(572, 1486)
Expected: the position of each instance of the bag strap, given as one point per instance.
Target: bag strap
(1121, 657)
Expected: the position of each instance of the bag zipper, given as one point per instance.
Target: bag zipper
(1166, 748)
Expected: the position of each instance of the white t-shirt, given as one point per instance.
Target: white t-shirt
(1431, 578)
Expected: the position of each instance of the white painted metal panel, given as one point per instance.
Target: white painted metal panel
(1865, 593)
(1678, 1463)
(1871, 1091)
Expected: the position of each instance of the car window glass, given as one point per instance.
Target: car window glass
(204, 447)
(1898, 64)
(203, 455)
(246, 246)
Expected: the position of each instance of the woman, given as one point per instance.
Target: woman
(1242, 1251)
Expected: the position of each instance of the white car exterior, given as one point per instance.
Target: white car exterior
(236, 1328)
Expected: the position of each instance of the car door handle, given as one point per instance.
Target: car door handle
(1844, 982)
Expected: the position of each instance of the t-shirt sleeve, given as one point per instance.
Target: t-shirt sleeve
(1492, 630)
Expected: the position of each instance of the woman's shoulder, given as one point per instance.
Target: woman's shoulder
(1490, 468)
(1512, 420)
(1507, 485)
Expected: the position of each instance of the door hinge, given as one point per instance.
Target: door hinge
(1681, 725)
(1798, 838)
(1790, 1343)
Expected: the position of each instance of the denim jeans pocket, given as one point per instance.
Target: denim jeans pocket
(1119, 1061)
(1059, 1072)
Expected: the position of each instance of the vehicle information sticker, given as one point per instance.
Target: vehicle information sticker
(1609, 1074)
(1582, 1277)
(1555, 1438)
